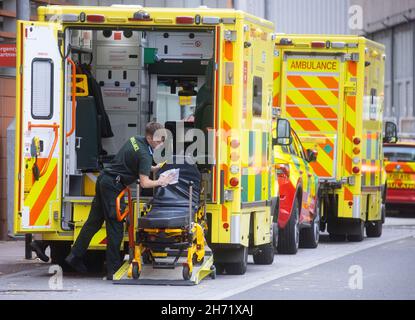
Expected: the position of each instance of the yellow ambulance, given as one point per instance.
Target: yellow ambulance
(89, 78)
(331, 88)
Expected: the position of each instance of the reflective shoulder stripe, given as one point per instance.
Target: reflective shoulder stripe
(134, 144)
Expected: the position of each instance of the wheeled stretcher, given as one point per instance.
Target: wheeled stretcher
(170, 233)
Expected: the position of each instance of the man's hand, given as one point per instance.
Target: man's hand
(165, 180)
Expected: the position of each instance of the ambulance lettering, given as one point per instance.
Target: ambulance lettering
(314, 65)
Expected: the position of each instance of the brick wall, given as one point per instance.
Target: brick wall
(7, 113)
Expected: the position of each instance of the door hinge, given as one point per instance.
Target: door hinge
(350, 87)
(355, 57)
(19, 176)
(21, 69)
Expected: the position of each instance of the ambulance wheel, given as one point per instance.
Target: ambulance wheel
(264, 255)
(275, 235)
(135, 271)
(220, 268)
(289, 237)
(334, 237)
(309, 237)
(359, 236)
(374, 229)
(186, 272)
(238, 268)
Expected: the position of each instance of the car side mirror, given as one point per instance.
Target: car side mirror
(311, 155)
(391, 133)
(283, 133)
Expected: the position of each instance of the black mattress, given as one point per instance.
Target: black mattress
(170, 205)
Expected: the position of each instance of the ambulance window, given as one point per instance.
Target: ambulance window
(257, 97)
(42, 88)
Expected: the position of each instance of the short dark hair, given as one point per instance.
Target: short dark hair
(152, 127)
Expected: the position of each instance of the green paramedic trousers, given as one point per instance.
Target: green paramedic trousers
(103, 209)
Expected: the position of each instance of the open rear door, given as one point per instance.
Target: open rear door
(312, 102)
(39, 129)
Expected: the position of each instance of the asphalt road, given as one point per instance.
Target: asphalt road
(373, 269)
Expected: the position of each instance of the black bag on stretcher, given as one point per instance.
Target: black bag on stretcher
(170, 205)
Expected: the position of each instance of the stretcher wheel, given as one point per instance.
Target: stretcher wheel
(186, 272)
(135, 271)
(213, 273)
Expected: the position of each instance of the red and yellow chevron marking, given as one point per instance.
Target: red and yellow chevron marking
(349, 122)
(312, 105)
(42, 192)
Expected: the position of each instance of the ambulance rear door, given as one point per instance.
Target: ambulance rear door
(311, 87)
(39, 128)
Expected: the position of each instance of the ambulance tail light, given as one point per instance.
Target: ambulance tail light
(235, 144)
(318, 44)
(185, 20)
(283, 171)
(95, 18)
(356, 141)
(356, 170)
(234, 182)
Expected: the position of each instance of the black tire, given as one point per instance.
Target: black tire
(264, 255)
(186, 272)
(220, 268)
(135, 271)
(357, 237)
(374, 229)
(59, 250)
(289, 237)
(238, 268)
(275, 235)
(309, 237)
(337, 237)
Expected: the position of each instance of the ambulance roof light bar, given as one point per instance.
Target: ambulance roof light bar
(185, 20)
(95, 18)
(286, 42)
(318, 44)
(141, 15)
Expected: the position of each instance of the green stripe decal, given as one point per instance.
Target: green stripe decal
(244, 193)
(258, 187)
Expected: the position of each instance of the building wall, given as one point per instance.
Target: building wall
(305, 16)
(7, 114)
(393, 24)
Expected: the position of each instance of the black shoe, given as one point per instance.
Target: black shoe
(109, 277)
(39, 249)
(76, 263)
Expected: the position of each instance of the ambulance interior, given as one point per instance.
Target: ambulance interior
(134, 77)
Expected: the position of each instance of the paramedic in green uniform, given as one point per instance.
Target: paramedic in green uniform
(133, 161)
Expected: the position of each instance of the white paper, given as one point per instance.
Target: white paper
(173, 172)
